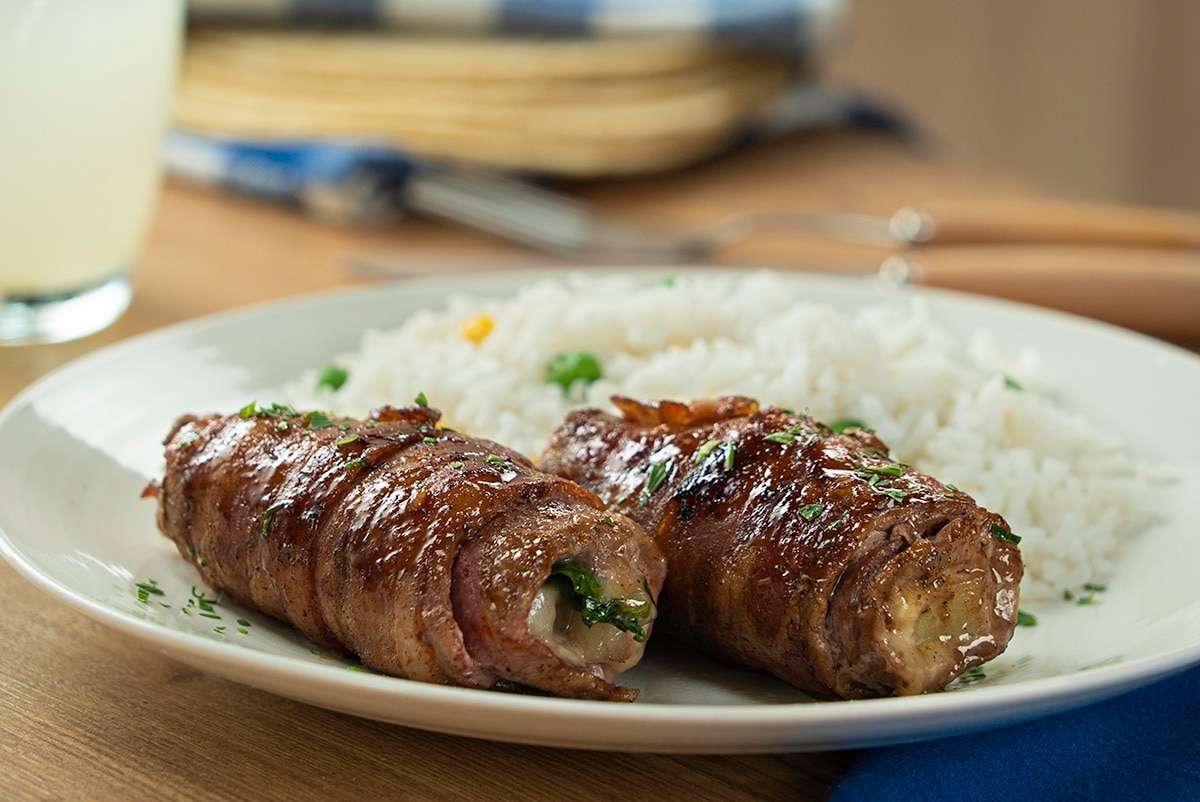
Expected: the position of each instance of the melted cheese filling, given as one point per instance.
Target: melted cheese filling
(935, 631)
(602, 649)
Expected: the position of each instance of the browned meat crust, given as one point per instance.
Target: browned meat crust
(799, 551)
(418, 549)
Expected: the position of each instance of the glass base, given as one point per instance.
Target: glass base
(29, 320)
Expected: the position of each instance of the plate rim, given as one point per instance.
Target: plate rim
(1052, 694)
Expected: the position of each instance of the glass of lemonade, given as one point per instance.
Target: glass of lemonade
(85, 91)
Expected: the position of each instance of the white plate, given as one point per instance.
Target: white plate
(79, 446)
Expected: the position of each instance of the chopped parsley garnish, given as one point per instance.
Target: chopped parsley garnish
(707, 448)
(572, 366)
(887, 469)
(332, 377)
(895, 495)
(626, 615)
(810, 511)
(703, 451)
(1025, 619)
(1089, 597)
(1012, 383)
(318, 420)
(785, 437)
(658, 472)
(345, 441)
(1000, 533)
(356, 463)
(205, 604)
(147, 589)
(252, 410)
(269, 515)
(495, 459)
(421, 400)
(455, 465)
(846, 424)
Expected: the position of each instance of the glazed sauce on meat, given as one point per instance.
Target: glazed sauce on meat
(798, 550)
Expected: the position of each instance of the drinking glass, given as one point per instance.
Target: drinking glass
(85, 91)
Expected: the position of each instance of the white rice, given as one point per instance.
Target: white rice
(946, 406)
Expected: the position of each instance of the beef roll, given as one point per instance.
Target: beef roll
(428, 554)
(799, 550)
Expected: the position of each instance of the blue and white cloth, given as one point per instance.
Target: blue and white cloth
(361, 182)
(799, 26)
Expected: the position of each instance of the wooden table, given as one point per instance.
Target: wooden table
(85, 713)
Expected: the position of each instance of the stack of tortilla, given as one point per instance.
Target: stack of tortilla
(568, 107)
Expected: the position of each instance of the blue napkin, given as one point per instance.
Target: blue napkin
(787, 25)
(1144, 745)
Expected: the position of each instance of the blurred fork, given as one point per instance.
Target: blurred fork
(569, 228)
(365, 183)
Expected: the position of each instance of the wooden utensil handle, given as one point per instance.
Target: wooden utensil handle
(1154, 290)
(1028, 221)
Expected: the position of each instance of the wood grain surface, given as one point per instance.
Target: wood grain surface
(87, 714)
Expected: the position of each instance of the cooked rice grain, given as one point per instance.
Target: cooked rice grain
(963, 411)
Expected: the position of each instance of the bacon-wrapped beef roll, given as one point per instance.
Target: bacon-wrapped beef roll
(430, 555)
(801, 551)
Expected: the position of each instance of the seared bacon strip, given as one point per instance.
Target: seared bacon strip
(430, 555)
(800, 551)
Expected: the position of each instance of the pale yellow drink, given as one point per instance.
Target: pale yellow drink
(85, 89)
